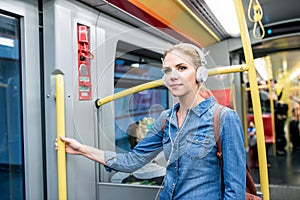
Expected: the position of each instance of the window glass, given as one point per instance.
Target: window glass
(11, 150)
(136, 113)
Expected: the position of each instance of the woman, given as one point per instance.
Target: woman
(188, 142)
(252, 145)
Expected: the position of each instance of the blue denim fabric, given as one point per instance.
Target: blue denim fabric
(193, 170)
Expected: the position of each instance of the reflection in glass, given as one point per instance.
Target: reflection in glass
(136, 113)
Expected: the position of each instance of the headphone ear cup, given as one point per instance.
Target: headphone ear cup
(202, 74)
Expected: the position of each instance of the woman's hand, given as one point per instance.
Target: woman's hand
(72, 146)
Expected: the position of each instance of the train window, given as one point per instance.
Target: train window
(135, 113)
(11, 149)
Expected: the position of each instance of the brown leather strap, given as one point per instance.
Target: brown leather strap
(217, 133)
(250, 187)
(218, 141)
(163, 126)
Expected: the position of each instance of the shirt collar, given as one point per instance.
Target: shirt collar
(204, 106)
(200, 109)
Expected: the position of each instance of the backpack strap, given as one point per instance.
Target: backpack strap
(218, 141)
(250, 187)
(217, 134)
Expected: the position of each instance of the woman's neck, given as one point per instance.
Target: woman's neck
(189, 102)
(193, 98)
(185, 105)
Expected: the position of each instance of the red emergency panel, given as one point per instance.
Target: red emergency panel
(84, 57)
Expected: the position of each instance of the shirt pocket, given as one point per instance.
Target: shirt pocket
(199, 145)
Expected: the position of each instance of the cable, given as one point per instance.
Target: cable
(182, 126)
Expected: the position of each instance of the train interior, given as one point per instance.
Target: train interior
(89, 53)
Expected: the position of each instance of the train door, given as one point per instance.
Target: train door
(20, 110)
(11, 142)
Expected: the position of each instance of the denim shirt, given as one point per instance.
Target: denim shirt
(193, 170)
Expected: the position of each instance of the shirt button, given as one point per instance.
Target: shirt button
(173, 184)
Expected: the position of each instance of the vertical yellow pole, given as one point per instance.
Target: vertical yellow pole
(263, 170)
(298, 89)
(272, 116)
(60, 121)
(245, 121)
(233, 93)
(290, 108)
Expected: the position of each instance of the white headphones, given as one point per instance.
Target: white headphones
(202, 72)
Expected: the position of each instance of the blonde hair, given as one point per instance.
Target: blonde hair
(189, 50)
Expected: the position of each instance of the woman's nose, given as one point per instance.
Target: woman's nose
(174, 74)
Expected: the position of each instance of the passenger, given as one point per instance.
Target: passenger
(280, 119)
(188, 141)
(252, 143)
(294, 124)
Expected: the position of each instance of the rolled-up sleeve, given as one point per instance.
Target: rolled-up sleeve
(110, 158)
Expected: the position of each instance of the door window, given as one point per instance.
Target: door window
(11, 141)
(135, 114)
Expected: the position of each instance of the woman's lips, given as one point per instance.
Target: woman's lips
(174, 86)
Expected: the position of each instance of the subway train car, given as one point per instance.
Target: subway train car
(91, 70)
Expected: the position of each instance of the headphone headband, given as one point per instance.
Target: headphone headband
(200, 52)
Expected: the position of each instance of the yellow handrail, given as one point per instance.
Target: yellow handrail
(272, 116)
(245, 121)
(157, 83)
(259, 87)
(60, 121)
(263, 171)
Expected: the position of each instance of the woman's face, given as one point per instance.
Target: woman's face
(180, 74)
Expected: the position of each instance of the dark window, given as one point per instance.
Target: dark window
(134, 66)
(11, 138)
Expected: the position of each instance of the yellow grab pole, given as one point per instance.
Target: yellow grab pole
(245, 121)
(263, 170)
(157, 83)
(289, 114)
(60, 121)
(138, 88)
(228, 69)
(272, 116)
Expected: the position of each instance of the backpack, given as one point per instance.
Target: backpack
(251, 193)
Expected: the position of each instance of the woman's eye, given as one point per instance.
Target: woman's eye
(181, 68)
(166, 70)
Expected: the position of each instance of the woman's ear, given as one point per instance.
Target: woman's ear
(201, 74)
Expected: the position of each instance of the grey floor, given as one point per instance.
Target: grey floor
(283, 175)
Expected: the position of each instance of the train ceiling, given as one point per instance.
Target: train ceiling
(175, 17)
(193, 21)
